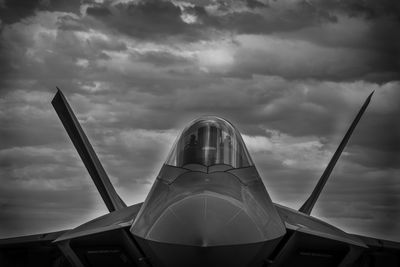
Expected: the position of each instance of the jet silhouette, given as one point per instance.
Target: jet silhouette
(208, 206)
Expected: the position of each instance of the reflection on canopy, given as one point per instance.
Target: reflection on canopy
(208, 141)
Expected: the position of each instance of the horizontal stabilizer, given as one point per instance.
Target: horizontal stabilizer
(309, 204)
(86, 152)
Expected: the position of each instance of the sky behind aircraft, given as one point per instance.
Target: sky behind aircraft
(289, 74)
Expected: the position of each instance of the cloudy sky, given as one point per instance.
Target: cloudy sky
(290, 74)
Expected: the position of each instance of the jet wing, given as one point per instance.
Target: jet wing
(112, 221)
(44, 250)
(32, 250)
(313, 242)
(380, 252)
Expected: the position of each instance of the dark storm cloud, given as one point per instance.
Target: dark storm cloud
(367, 8)
(98, 11)
(14, 10)
(373, 56)
(337, 51)
(269, 20)
(255, 4)
(376, 44)
(146, 19)
(160, 19)
(381, 38)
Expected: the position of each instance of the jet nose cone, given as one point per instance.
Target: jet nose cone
(206, 220)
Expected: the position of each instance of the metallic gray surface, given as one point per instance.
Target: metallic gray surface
(87, 153)
(207, 209)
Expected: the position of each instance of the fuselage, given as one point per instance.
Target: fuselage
(209, 199)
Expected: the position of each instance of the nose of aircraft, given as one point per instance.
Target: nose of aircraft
(208, 204)
(207, 228)
(206, 219)
(207, 209)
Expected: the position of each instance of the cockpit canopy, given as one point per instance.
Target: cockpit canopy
(210, 141)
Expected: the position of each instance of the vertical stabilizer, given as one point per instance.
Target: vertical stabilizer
(86, 152)
(309, 204)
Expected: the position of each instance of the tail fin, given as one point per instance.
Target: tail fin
(309, 204)
(86, 152)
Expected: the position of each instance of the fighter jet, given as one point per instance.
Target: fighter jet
(208, 206)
